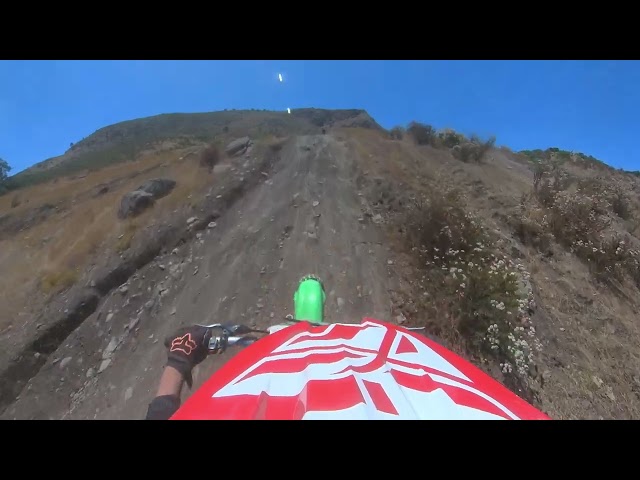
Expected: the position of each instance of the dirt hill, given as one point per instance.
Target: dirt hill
(126, 141)
(525, 263)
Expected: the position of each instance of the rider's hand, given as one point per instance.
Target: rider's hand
(187, 348)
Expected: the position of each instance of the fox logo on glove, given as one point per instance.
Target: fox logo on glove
(184, 344)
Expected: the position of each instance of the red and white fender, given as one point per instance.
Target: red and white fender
(372, 370)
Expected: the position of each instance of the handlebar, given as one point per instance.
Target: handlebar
(223, 336)
(242, 341)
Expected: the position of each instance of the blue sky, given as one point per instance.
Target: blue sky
(587, 106)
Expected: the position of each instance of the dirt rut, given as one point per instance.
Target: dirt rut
(306, 217)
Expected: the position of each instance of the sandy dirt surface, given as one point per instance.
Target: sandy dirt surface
(305, 217)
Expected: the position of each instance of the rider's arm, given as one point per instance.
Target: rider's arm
(187, 347)
(170, 383)
(167, 400)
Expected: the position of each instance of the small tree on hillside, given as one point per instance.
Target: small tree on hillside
(421, 133)
(482, 147)
(4, 170)
(449, 138)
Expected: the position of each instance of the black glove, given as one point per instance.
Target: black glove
(187, 348)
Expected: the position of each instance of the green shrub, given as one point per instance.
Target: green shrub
(54, 282)
(449, 138)
(474, 150)
(422, 134)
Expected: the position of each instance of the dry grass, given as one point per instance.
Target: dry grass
(590, 357)
(581, 220)
(54, 282)
(124, 240)
(42, 258)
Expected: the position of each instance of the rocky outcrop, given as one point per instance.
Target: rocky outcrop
(238, 146)
(158, 187)
(134, 203)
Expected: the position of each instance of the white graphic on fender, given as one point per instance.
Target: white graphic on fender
(363, 371)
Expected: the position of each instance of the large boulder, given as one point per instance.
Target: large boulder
(158, 187)
(238, 146)
(134, 203)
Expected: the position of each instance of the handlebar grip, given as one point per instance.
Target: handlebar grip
(242, 341)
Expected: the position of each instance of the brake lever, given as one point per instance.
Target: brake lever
(213, 325)
(233, 330)
(229, 329)
(238, 329)
(222, 334)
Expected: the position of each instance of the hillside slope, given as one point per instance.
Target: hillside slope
(302, 219)
(572, 242)
(126, 141)
(527, 265)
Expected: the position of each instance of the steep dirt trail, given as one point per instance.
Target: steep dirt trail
(244, 270)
